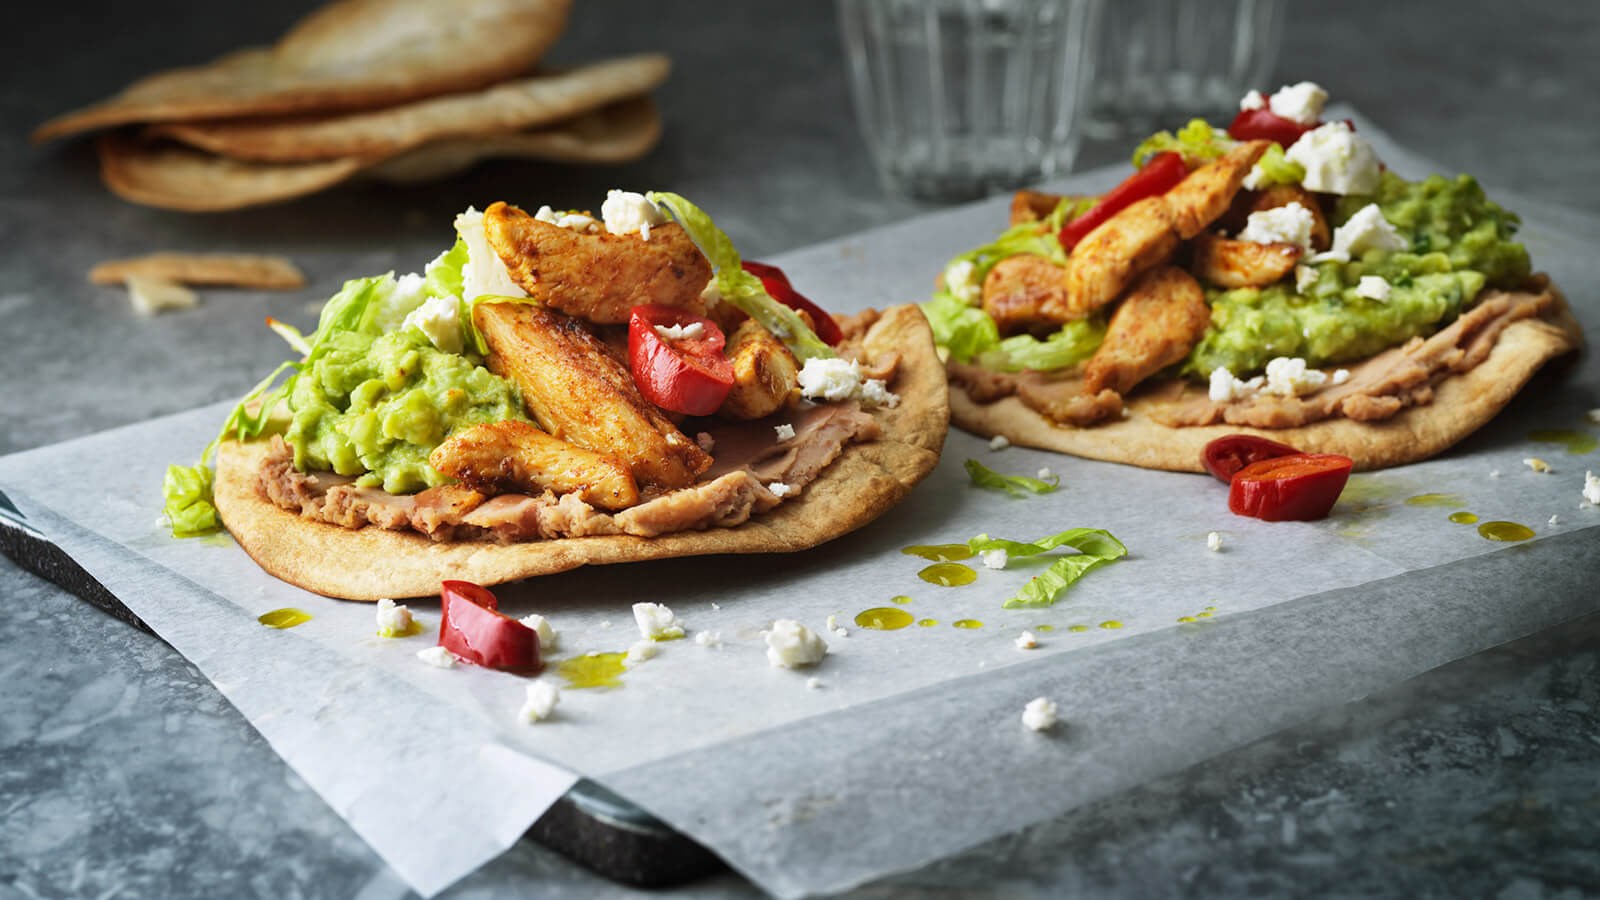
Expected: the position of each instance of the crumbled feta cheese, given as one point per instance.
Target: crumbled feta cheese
(999, 442)
(814, 683)
(1591, 488)
(1299, 103)
(606, 624)
(625, 212)
(706, 441)
(1366, 230)
(394, 619)
(438, 657)
(541, 701)
(1555, 520)
(708, 638)
(639, 652)
(1252, 100)
(1288, 224)
(1373, 287)
(693, 331)
(484, 273)
(1225, 388)
(1289, 377)
(574, 221)
(1214, 541)
(1336, 160)
(1045, 474)
(1026, 641)
(833, 623)
(152, 295)
(830, 379)
(1304, 278)
(439, 318)
(994, 559)
(875, 392)
(785, 432)
(781, 490)
(541, 626)
(961, 280)
(656, 622)
(1494, 473)
(1538, 465)
(715, 605)
(791, 645)
(1340, 376)
(1040, 714)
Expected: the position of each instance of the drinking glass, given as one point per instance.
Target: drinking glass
(960, 98)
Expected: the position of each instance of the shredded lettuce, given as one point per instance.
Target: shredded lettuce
(1276, 168)
(964, 331)
(1015, 485)
(736, 285)
(1038, 239)
(187, 494)
(1197, 141)
(1095, 547)
(1072, 344)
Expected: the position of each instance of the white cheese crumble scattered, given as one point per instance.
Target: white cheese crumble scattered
(1494, 473)
(1555, 520)
(639, 652)
(814, 683)
(1214, 541)
(574, 221)
(1045, 474)
(785, 432)
(439, 319)
(625, 212)
(1304, 278)
(836, 628)
(1252, 100)
(1299, 103)
(1225, 388)
(1591, 488)
(995, 559)
(548, 638)
(706, 441)
(1538, 465)
(484, 273)
(1366, 230)
(961, 280)
(1289, 377)
(1026, 641)
(438, 657)
(540, 702)
(835, 379)
(708, 638)
(1040, 714)
(1336, 160)
(1287, 224)
(999, 442)
(693, 331)
(781, 490)
(874, 392)
(791, 645)
(151, 295)
(1340, 376)
(1373, 287)
(656, 622)
(394, 619)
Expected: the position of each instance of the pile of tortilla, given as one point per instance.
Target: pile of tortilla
(405, 90)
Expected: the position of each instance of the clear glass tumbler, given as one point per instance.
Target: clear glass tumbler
(957, 99)
(1159, 63)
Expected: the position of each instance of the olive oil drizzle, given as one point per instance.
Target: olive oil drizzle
(883, 618)
(948, 574)
(1509, 532)
(288, 617)
(942, 553)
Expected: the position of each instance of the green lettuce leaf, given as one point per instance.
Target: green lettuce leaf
(188, 507)
(736, 285)
(1279, 169)
(1197, 141)
(1025, 237)
(964, 331)
(1074, 343)
(1015, 485)
(1095, 547)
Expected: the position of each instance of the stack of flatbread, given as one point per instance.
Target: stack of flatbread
(406, 90)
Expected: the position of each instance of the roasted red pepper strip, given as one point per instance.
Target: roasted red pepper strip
(779, 288)
(688, 375)
(1227, 455)
(473, 628)
(1264, 124)
(1161, 174)
(1298, 488)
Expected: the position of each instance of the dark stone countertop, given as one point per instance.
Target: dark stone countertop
(124, 773)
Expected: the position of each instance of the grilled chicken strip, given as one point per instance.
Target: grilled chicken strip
(1160, 320)
(1028, 293)
(598, 277)
(765, 373)
(504, 457)
(579, 393)
(1231, 263)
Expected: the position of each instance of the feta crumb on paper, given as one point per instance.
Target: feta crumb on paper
(999, 442)
(1494, 473)
(1373, 287)
(1026, 641)
(548, 638)
(837, 629)
(1537, 465)
(785, 432)
(1045, 474)
(150, 296)
(792, 645)
(438, 657)
(541, 702)
(1591, 488)
(656, 622)
(639, 652)
(1040, 714)
(1214, 541)
(1555, 520)
(394, 619)
(715, 605)
(708, 638)
(995, 559)
(814, 683)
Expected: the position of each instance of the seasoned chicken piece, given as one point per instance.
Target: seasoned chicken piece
(1285, 194)
(1206, 193)
(1160, 320)
(517, 456)
(598, 277)
(1028, 293)
(765, 373)
(1230, 263)
(1031, 206)
(578, 392)
(1135, 240)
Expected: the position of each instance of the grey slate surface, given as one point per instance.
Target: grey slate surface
(123, 773)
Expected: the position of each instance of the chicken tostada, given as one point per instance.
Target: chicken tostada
(559, 390)
(1274, 278)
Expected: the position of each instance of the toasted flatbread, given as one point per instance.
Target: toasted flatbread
(370, 563)
(245, 270)
(1462, 403)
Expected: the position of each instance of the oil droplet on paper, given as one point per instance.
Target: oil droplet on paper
(1044, 628)
(1464, 518)
(967, 623)
(939, 552)
(1077, 629)
(593, 670)
(1505, 531)
(288, 617)
(1111, 625)
(1576, 442)
(948, 574)
(900, 600)
(883, 618)
(927, 623)
(1435, 500)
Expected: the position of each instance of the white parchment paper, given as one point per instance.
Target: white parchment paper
(911, 747)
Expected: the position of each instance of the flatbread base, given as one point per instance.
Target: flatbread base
(1461, 405)
(370, 563)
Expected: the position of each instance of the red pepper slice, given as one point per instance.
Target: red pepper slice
(1161, 174)
(473, 628)
(1227, 455)
(779, 288)
(685, 375)
(1297, 488)
(1264, 124)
